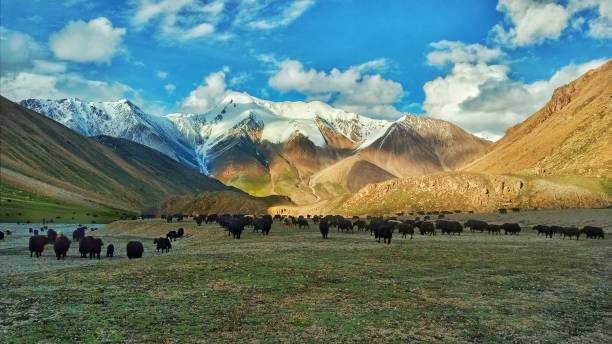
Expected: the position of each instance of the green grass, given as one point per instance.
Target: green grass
(294, 287)
(22, 206)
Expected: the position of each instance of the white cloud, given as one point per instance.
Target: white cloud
(162, 74)
(23, 85)
(531, 22)
(206, 95)
(17, 50)
(284, 17)
(457, 52)
(170, 88)
(484, 100)
(352, 89)
(185, 20)
(93, 41)
(48, 67)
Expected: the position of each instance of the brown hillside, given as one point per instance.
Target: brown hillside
(571, 134)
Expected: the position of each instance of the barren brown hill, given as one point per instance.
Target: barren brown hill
(572, 134)
(421, 145)
(470, 191)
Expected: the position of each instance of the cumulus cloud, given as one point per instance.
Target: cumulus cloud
(93, 41)
(162, 74)
(531, 22)
(457, 52)
(17, 50)
(186, 20)
(23, 85)
(205, 96)
(484, 100)
(352, 89)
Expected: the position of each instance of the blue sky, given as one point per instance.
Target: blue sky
(484, 65)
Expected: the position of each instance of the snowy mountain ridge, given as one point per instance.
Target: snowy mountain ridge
(189, 137)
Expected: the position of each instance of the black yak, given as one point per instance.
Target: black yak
(90, 246)
(37, 244)
(1, 235)
(172, 235)
(324, 228)
(61, 246)
(406, 228)
(360, 224)
(302, 223)
(110, 251)
(263, 224)
(494, 229)
(426, 227)
(592, 232)
(180, 232)
(476, 225)
(449, 227)
(163, 244)
(511, 228)
(134, 249)
(571, 232)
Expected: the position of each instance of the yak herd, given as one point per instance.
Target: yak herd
(90, 246)
(381, 228)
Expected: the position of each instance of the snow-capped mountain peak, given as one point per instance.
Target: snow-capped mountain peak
(190, 137)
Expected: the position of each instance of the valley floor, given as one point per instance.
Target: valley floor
(292, 286)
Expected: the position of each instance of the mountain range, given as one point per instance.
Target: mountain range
(295, 149)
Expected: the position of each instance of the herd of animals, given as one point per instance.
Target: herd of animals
(381, 228)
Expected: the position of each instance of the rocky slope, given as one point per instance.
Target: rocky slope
(571, 134)
(464, 191)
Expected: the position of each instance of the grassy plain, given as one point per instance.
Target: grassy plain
(295, 287)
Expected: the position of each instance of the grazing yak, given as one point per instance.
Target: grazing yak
(494, 229)
(324, 228)
(593, 232)
(110, 251)
(476, 225)
(264, 224)
(90, 246)
(61, 246)
(172, 235)
(571, 232)
(511, 228)
(302, 223)
(163, 244)
(1, 235)
(406, 228)
(426, 227)
(547, 231)
(37, 244)
(134, 249)
(360, 224)
(382, 230)
(449, 227)
(235, 226)
(180, 232)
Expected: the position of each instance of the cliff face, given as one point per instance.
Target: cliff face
(571, 134)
